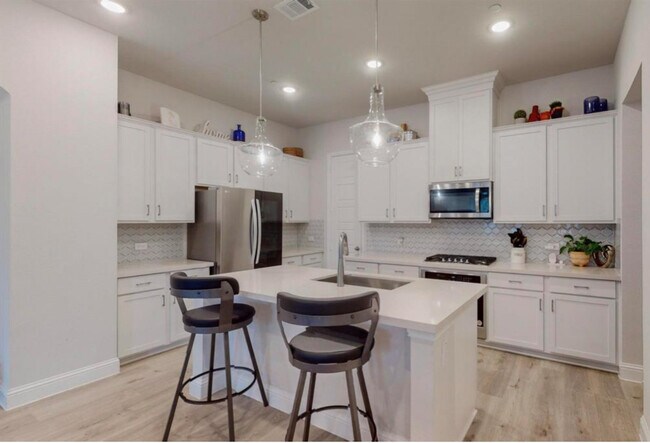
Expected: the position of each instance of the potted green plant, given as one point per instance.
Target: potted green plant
(580, 249)
(520, 116)
(556, 109)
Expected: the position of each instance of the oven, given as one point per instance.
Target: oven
(468, 277)
(460, 200)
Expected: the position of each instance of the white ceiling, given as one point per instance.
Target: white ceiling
(209, 47)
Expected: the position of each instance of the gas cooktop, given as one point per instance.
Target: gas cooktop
(464, 259)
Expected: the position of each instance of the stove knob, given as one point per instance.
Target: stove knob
(455, 260)
(443, 259)
(467, 261)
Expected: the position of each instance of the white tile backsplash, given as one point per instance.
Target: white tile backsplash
(163, 241)
(475, 237)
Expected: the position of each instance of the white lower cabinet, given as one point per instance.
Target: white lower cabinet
(314, 260)
(560, 316)
(583, 327)
(362, 267)
(149, 319)
(141, 321)
(516, 318)
(400, 270)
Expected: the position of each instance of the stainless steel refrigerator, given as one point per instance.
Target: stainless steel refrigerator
(236, 229)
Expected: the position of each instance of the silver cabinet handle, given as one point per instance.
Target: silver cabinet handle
(290, 213)
(515, 281)
(543, 210)
(398, 272)
(148, 210)
(460, 171)
(581, 287)
(393, 212)
(356, 248)
(540, 304)
(163, 299)
(159, 209)
(556, 210)
(174, 300)
(552, 305)
(143, 283)
(386, 212)
(236, 178)
(229, 177)
(361, 268)
(455, 171)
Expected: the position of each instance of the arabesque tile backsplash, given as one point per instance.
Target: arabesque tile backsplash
(475, 237)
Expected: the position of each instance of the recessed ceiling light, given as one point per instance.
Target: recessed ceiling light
(289, 89)
(374, 64)
(501, 26)
(113, 6)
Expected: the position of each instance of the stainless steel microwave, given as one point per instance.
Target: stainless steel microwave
(460, 200)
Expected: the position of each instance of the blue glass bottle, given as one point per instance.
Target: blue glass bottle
(238, 135)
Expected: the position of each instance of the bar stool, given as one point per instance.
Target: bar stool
(215, 319)
(329, 344)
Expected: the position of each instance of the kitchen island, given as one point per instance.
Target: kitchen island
(422, 374)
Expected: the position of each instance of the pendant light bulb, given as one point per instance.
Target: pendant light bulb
(376, 141)
(259, 157)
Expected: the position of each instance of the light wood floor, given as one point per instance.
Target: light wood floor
(520, 398)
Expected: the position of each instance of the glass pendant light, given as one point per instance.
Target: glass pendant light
(259, 157)
(376, 141)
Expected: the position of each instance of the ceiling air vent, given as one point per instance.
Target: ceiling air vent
(294, 9)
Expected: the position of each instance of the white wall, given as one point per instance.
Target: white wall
(571, 89)
(633, 52)
(146, 96)
(5, 122)
(61, 75)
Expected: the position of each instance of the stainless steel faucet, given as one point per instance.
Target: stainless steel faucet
(343, 250)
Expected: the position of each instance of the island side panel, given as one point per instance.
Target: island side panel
(444, 379)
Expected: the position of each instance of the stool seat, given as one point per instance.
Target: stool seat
(333, 344)
(208, 316)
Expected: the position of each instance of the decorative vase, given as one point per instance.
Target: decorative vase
(238, 135)
(534, 114)
(602, 105)
(580, 259)
(546, 115)
(557, 112)
(520, 120)
(591, 104)
(518, 256)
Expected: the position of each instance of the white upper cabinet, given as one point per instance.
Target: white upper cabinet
(243, 179)
(581, 170)
(298, 189)
(135, 181)
(461, 115)
(398, 192)
(520, 175)
(174, 159)
(373, 193)
(409, 186)
(214, 163)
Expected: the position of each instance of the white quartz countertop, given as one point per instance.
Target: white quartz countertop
(544, 269)
(159, 266)
(423, 305)
(294, 252)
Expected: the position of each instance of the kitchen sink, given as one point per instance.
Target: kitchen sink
(368, 282)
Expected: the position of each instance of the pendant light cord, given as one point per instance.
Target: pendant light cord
(260, 68)
(377, 43)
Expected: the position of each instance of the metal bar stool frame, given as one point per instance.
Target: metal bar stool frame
(226, 291)
(332, 313)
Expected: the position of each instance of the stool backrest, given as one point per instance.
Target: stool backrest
(214, 286)
(329, 312)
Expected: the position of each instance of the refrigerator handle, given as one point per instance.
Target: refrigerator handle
(259, 231)
(254, 234)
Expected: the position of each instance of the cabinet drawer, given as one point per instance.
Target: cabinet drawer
(364, 267)
(579, 286)
(402, 271)
(516, 281)
(311, 259)
(129, 285)
(297, 260)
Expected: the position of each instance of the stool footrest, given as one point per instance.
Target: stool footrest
(373, 429)
(217, 400)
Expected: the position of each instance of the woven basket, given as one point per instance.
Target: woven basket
(296, 152)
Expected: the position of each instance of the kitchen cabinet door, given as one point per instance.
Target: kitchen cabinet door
(520, 175)
(298, 184)
(141, 322)
(516, 318)
(135, 161)
(242, 179)
(583, 327)
(175, 163)
(409, 180)
(581, 170)
(214, 163)
(444, 124)
(373, 193)
(474, 157)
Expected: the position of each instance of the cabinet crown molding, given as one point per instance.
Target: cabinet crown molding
(490, 80)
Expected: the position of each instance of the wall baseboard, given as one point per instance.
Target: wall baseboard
(630, 372)
(41, 389)
(644, 431)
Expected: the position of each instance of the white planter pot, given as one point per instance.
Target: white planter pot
(518, 255)
(520, 120)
